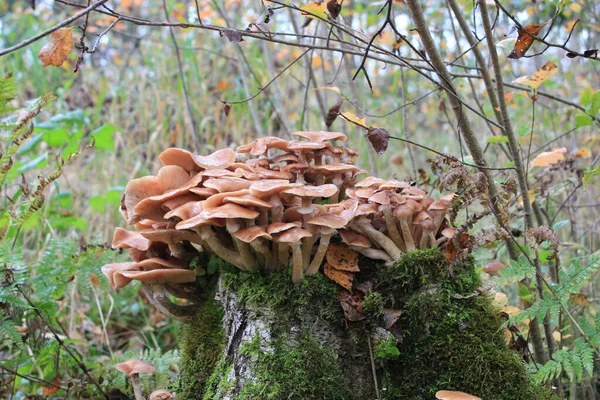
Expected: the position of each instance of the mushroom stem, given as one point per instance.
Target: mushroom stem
(275, 256)
(377, 237)
(408, 238)
(157, 298)
(248, 258)
(298, 264)
(260, 247)
(137, 390)
(284, 254)
(390, 224)
(319, 256)
(373, 254)
(215, 245)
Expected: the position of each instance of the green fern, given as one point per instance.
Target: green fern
(573, 362)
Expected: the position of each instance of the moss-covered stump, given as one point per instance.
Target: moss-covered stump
(284, 341)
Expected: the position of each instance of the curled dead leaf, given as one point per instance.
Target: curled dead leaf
(334, 8)
(56, 51)
(233, 35)
(333, 113)
(525, 39)
(379, 139)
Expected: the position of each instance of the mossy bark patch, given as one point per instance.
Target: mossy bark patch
(287, 341)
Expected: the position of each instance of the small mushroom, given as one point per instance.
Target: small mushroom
(123, 239)
(453, 395)
(133, 368)
(493, 268)
(294, 237)
(162, 394)
(327, 225)
(383, 199)
(255, 235)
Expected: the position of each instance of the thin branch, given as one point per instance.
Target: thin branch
(54, 28)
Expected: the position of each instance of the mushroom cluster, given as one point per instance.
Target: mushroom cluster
(273, 204)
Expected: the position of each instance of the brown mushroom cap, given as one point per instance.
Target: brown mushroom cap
(453, 395)
(394, 184)
(352, 238)
(216, 200)
(268, 187)
(308, 191)
(370, 181)
(227, 184)
(123, 239)
(299, 146)
(135, 366)
(248, 200)
(153, 263)
(171, 236)
(168, 178)
(162, 394)
(278, 227)
(179, 157)
(320, 136)
(251, 233)
(262, 145)
(294, 235)
(109, 271)
(493, 268)
(229, 210)
(219, 159)
(186, 211)
(157, 276)
(329, 220)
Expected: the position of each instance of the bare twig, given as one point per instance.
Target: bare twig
(66, 22)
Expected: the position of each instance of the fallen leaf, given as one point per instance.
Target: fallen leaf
(355, 118)
(341, 257)
(525, 39)
(56, 51)
(342, 278)
(351, 305)
(233, 35)
(541, 75)
(334, 8)
(379, 139)
(548, 158)
(333, 113)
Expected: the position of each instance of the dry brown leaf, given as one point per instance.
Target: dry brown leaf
(541, 75)
(59, 45)
(342, 278)
(511, 310)
(341, 257)
(579, 299)
(379, 139)
(548, 158)
(525, 39)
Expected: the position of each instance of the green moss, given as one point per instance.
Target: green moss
(449, 342)
(314, 297)
(219, 382)
(297, 368)
(201, 344)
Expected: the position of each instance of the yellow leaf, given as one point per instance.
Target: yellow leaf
(541, 75)
(316, 10)
(548, 158)
(354, 118)
(583, 152)
(317, 61)
(571, 24)
(332, 88)
(501, 299)
(56, 51)
(511, 310)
